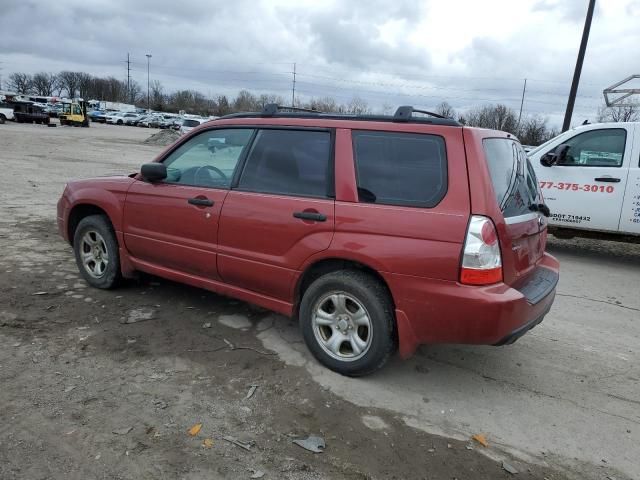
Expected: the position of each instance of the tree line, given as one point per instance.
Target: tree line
(530, 129)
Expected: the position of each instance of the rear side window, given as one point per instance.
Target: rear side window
(512, 176)
(289, 162)
(407, 169)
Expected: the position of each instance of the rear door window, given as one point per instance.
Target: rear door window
(512, 176)
(395, 168)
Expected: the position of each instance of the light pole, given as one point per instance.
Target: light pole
(148, 98)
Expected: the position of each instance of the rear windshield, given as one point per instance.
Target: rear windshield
(190, 123)
(513, 178)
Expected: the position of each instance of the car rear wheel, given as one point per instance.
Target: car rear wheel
(2, 119)
(347, 322)
(96, 251)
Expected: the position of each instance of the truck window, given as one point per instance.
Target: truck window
(596, 148)
(512, 176)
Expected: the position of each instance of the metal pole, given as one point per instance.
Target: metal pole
(293, 87)
(148, 97)
(576, 74)
(524, 89)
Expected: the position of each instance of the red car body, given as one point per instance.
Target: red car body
(249, 246)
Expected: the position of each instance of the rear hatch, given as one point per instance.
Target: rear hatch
(517, 193)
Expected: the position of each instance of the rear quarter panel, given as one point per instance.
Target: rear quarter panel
(422, 242)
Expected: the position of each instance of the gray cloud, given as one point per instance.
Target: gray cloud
(340, 48)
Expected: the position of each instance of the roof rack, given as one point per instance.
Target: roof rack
(272, 109)
(405, 113)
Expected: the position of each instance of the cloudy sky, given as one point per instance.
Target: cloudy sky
(417, 52)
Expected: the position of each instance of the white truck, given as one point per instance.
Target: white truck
(590, 178)
(120, 107)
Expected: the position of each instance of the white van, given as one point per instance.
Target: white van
(590, 178)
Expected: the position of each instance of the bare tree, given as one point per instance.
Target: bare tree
(158, 99)
(629, 113)
(222, 106)
(265, 99)
(20, 83)
(534, 131)
(325, 104)
(135, 94)
(358, 106)
(69, 82)
(496, 117)
(44, 83)
(245, 102)
(84, 84)
(446, 110)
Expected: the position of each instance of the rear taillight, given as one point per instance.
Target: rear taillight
(481, 260)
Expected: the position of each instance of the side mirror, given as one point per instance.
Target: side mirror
(154, 172)
(559, 155)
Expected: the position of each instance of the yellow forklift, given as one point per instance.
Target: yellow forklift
(74, 113)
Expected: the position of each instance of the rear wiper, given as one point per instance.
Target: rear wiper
(540, 207)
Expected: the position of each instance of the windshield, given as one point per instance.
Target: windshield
(190, 123)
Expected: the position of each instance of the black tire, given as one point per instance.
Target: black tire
(375, 299)
(111, 275)
(2, 119)
(119, 122)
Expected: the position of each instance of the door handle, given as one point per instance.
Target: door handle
(607, 179)
(201, 202)
(315, 216)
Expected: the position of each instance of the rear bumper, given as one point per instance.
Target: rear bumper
(435, 311)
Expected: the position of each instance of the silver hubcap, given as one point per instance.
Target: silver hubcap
(342, 326)
(94, 255)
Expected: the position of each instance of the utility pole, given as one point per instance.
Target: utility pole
(576, 74)
(128, 78)
(148, 55)
(524, 89)
(293, 87)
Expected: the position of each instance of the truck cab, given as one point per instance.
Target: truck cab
(590, 177)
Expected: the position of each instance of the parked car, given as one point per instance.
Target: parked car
(590, 176)
(114, 118)
(189, 124)
(120, 118)
(98, 116)
(375, 232)
(6, 112)
(160, 121)
(133, 119)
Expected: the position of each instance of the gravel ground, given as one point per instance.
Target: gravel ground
(87, 395)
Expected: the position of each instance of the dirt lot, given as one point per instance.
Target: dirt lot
(85, 395)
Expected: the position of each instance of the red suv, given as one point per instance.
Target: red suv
(376, 232)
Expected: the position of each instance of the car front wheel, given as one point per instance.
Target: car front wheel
(347, 322)
(96, 251)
